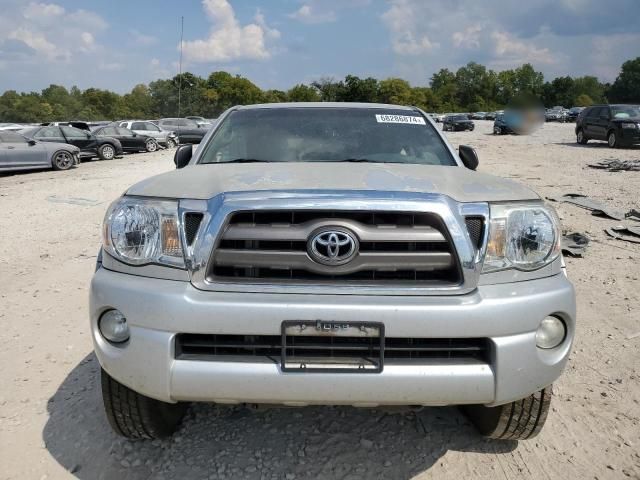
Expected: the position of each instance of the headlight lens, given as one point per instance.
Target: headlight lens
(630, 125)
(523, 237)
(140, 231)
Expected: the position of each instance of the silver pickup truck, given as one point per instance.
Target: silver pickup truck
(332, 254)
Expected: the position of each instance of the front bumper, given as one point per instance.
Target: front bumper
(507, 314)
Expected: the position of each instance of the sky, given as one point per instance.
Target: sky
(116, 44)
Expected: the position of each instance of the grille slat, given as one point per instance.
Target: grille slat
(394, 247)
(220, 347)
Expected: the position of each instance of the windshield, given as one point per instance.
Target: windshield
(326, 135)
(459, 118)
(625, 111)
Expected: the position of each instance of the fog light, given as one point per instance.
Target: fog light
(551, 333)
(113, 326)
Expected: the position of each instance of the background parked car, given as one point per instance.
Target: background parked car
(188, 131)
(166, 138)
(130, 141)
(572, 114)
(556, 114)
(18, 152)
(11, 126)
(500, 126)
(454, 123)
(618, 125)
(203, 122)
(90, 145)
(490, 116)
(478, 115)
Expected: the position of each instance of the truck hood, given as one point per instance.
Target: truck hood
(205, 181)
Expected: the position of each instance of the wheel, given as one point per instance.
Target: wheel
(519, 420)
(106, 152)
(171, 143)
(612, 140)
(135, 416)
(580, 138)
(62, 160)
(151, 145)
(497, 131)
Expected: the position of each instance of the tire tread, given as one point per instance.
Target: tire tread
(136, 416)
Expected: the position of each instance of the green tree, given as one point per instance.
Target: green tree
(233, 90)
(303, 93)
(626, 87)
(274, 96)
(329, 89)
(355, 89)
(395, 90)
(583, 100)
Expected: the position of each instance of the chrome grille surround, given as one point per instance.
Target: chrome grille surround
(221, 207)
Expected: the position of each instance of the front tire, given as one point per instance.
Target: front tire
(106, 152)
(171, 143)
(519, 420)
(135, 416)
(151, 145)
(62, 160)
(580, 138)
(612, 140)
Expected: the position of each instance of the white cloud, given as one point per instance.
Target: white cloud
(228, 40)
(43, 10)
(308, 13)
(52, 33)
(468, 38)
(407, 37)
(36, 41)
(140, 39)
(513, 51)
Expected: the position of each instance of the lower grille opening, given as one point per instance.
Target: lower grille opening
(212, 347)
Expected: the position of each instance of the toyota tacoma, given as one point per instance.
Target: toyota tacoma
(330, 254)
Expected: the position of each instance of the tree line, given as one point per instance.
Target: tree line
(471, 88)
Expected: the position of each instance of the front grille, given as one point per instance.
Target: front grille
(394, 248)
(189, 346)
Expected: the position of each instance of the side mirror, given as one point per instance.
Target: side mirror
(32, 143)
(183, 156)
(468, 156)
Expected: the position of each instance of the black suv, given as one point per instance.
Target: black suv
(618, 125)
(454, 123)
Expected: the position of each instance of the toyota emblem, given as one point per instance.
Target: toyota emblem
(330, 246)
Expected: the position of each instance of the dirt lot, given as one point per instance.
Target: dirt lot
(51, 419)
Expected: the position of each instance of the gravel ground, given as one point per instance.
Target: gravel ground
(51, 419)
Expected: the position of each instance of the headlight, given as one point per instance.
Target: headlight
(139, 231)
(524, 237)
(630, 125)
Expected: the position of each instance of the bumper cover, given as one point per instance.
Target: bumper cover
(507, 314)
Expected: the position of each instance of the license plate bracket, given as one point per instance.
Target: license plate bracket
(356, 347)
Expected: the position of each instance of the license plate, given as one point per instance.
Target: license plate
(320, 346)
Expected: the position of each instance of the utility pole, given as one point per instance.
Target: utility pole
(180, 74)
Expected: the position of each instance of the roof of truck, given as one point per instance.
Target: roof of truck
(326, 105)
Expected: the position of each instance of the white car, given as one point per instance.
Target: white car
(11, 126)
(166, 138)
